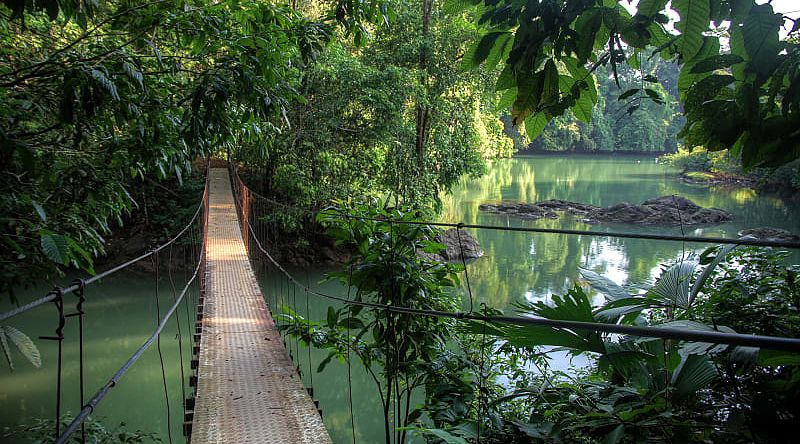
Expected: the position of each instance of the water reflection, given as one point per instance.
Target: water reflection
(532, 266)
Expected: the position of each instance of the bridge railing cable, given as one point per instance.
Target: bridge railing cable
(715, 337)
(50, 297)
(745, 241)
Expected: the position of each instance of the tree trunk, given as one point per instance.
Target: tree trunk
(423, 110)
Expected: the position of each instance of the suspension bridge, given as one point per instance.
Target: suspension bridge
(246, 386)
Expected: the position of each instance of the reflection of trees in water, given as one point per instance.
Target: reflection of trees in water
(538, 264)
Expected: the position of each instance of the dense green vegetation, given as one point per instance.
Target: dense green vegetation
(651, 127)
(345, 101)
(634, 389)
(702, 166)
(326, 100)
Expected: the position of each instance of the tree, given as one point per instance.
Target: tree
(743, 98)
(95, 95)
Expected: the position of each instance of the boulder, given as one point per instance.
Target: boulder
(453, 248)
(771, 234)
(664, 210)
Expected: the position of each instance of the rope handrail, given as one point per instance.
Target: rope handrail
(621, 235)
(101, 393)
(75, 286)
(716, 337)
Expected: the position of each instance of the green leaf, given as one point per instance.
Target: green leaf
(55, 248)
(629, 93)
(712, 63)
(456, 6)
(587, 26)
(492, 44)
(500, 49)
(529, 96)
(605, 286)
(693, 373)
(550, 89)
(614, 436)
(583, 108)
(24, 344)
(649, 8)
(775, 358)
(106, 83)
(694, 21)
(506, 100)
(39, 210)
(761, 40)
(673, 284)
(324, 363)
(439, 433)
(701, 280)
(333, 316)
(534, 125)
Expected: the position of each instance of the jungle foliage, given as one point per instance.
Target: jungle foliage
(738, 79)
(633, 389)
(96, 96)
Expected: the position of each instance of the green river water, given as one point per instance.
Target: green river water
(516, 266)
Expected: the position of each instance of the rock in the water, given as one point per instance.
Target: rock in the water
(523, 210)
(665, 210)
(682, 204)
(770, 233)
(453, 248)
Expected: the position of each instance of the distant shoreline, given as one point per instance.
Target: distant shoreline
(621, 153)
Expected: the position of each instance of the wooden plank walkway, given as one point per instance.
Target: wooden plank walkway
(247, 388)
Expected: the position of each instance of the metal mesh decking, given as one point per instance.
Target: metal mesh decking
(248, 390)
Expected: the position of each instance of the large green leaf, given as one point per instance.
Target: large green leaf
(694, 373)
(694, 21)
(499, 50)
(605, 286)
(24, 344)
(529, 95)
(701, 280)
(649, 8)
(715, 62)
(760, 35)
(56, 248)
(491, 45)
(534, 125)
(673, 285)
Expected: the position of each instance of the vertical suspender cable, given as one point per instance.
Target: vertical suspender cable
(79, 312)
(58, 294)
(158, 348)
(180, 335)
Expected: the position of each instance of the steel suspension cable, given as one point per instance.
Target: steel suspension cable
(179, 333)
(716, 337)
(156, 266)
(621, 235)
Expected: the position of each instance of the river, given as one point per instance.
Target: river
(516, 266)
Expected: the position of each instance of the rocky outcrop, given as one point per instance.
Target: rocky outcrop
(665, 210)
(771, 234)
(453, 248)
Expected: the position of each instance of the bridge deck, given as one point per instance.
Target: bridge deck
(248, 390)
